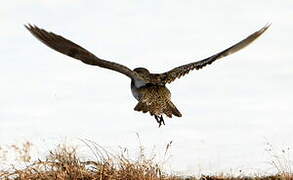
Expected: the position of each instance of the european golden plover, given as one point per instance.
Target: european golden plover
(148, 88)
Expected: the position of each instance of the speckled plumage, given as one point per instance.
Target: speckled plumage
(148, 88)
(156, 100)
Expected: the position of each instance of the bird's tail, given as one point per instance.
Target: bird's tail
(173, 109)
(154, 108)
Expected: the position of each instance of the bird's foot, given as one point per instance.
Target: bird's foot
(160, 120)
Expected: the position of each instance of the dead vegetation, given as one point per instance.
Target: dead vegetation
(64, 164)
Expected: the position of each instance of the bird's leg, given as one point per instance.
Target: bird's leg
(162, 120)
(158, 119)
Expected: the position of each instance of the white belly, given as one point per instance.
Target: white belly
(135, 84)
(134, 91)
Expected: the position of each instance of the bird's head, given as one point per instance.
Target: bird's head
(143, 72)
(144, 77)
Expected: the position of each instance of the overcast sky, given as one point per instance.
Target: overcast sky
(230, 108)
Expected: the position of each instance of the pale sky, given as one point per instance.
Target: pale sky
(230, 108)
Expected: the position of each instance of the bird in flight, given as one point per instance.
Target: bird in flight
(148, 88)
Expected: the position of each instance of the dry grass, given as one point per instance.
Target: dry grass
(64, 164)
(280, 159)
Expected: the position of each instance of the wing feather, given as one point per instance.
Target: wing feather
(177, 72)
(73, 50)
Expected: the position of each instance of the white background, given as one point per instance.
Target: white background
(230, 108)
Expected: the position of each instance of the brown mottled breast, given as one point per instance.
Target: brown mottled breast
(155, 93)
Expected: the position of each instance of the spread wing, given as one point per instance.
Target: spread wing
(177, 72)
(73, 50)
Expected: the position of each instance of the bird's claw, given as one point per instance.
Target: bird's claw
(160, 120)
